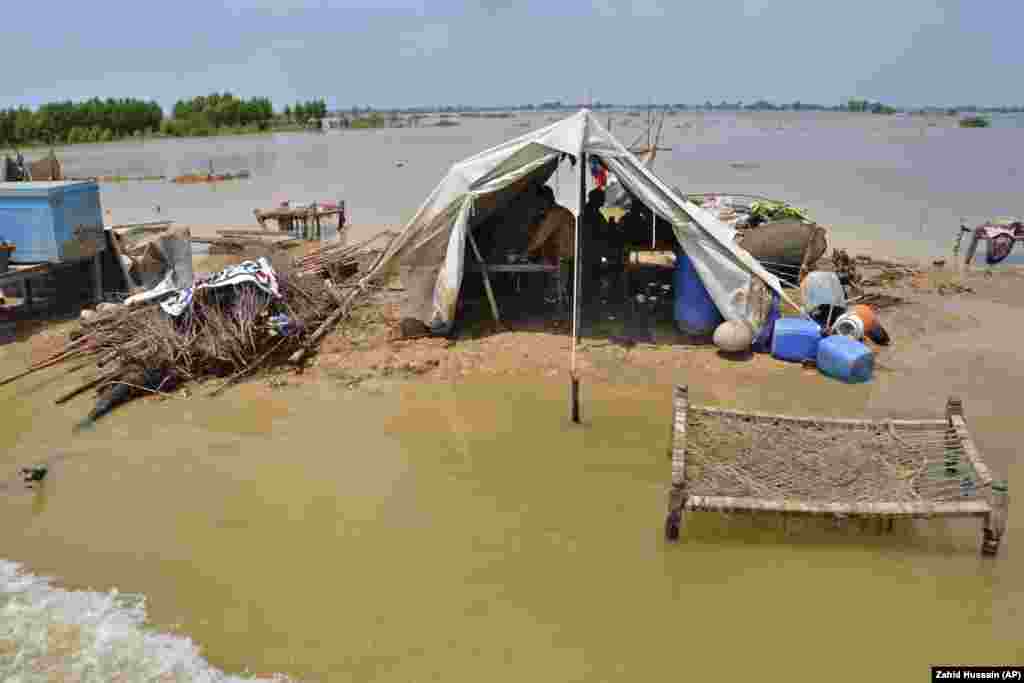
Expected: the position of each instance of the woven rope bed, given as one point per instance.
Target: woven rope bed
(727, 460)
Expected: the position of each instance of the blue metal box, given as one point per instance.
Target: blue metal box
(51, 221)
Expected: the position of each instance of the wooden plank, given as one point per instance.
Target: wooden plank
(513, 268)
(935, 424)
(115, 246)
(984, 475)
(253, 233)
(487, 280)
(938, 509)
(681, 401)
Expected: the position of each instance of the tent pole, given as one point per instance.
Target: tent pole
(577, 277)
(487, 280)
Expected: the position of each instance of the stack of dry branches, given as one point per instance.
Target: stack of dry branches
(227, 332)
(340, 261)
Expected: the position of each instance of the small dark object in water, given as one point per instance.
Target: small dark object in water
(121, 391)
(34, 474)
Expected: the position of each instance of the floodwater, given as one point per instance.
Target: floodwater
(453, 532)
(433, 531)
(896, 185)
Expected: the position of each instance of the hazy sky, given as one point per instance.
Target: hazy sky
(404, 52)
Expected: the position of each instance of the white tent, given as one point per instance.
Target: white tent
(430, 251)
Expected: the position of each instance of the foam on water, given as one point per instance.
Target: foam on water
(48, 633)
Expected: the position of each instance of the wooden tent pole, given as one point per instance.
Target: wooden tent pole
(577, 276)
(487, 280)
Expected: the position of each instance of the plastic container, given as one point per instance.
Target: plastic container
(695, 312)
(52, 220)
(867, 315)
(845, 359)
(849, 325)
(822, 288)
(795, 339)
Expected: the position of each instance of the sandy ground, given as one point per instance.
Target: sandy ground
(964, 344)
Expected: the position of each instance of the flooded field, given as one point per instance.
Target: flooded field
(459, 532)
(895, 185)
(464, 530)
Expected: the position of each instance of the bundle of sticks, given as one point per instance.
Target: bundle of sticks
(227, 332)
(334, 260)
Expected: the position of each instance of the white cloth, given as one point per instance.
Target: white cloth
(259, 273)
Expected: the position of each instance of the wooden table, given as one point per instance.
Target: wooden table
(513, 268)
(302, 220)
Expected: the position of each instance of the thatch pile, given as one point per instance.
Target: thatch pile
(228, 332)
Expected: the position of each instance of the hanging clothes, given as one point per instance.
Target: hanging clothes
(599, 173)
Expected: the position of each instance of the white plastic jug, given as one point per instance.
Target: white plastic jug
(822, 288)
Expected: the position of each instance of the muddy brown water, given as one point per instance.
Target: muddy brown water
(468, 532)
(894, 186)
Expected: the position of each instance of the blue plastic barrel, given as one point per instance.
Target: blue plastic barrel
(695, 312)
(795, 339)
(845, 358)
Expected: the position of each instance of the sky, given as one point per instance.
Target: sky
(397, 53)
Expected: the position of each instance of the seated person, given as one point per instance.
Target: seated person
(553, 239)
(552, 236)
(508, 227)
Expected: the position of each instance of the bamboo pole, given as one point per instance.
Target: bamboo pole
(995, 523)
(577, 275)
(677, 494)
(81, 389)
(681, 406)
(915, 509)
(487, 279)
(42, 366)
(931, 425)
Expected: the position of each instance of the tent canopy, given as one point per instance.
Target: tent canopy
(429, 252)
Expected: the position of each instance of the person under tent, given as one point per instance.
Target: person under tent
(553, 239)
(602, 244)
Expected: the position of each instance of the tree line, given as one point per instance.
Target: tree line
(98, 120)
(302, 112)
(204, 114)
(94, 120)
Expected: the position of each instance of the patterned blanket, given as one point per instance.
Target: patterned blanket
(1001, 235)
(259, 273)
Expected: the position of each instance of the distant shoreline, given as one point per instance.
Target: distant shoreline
(240, 131)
